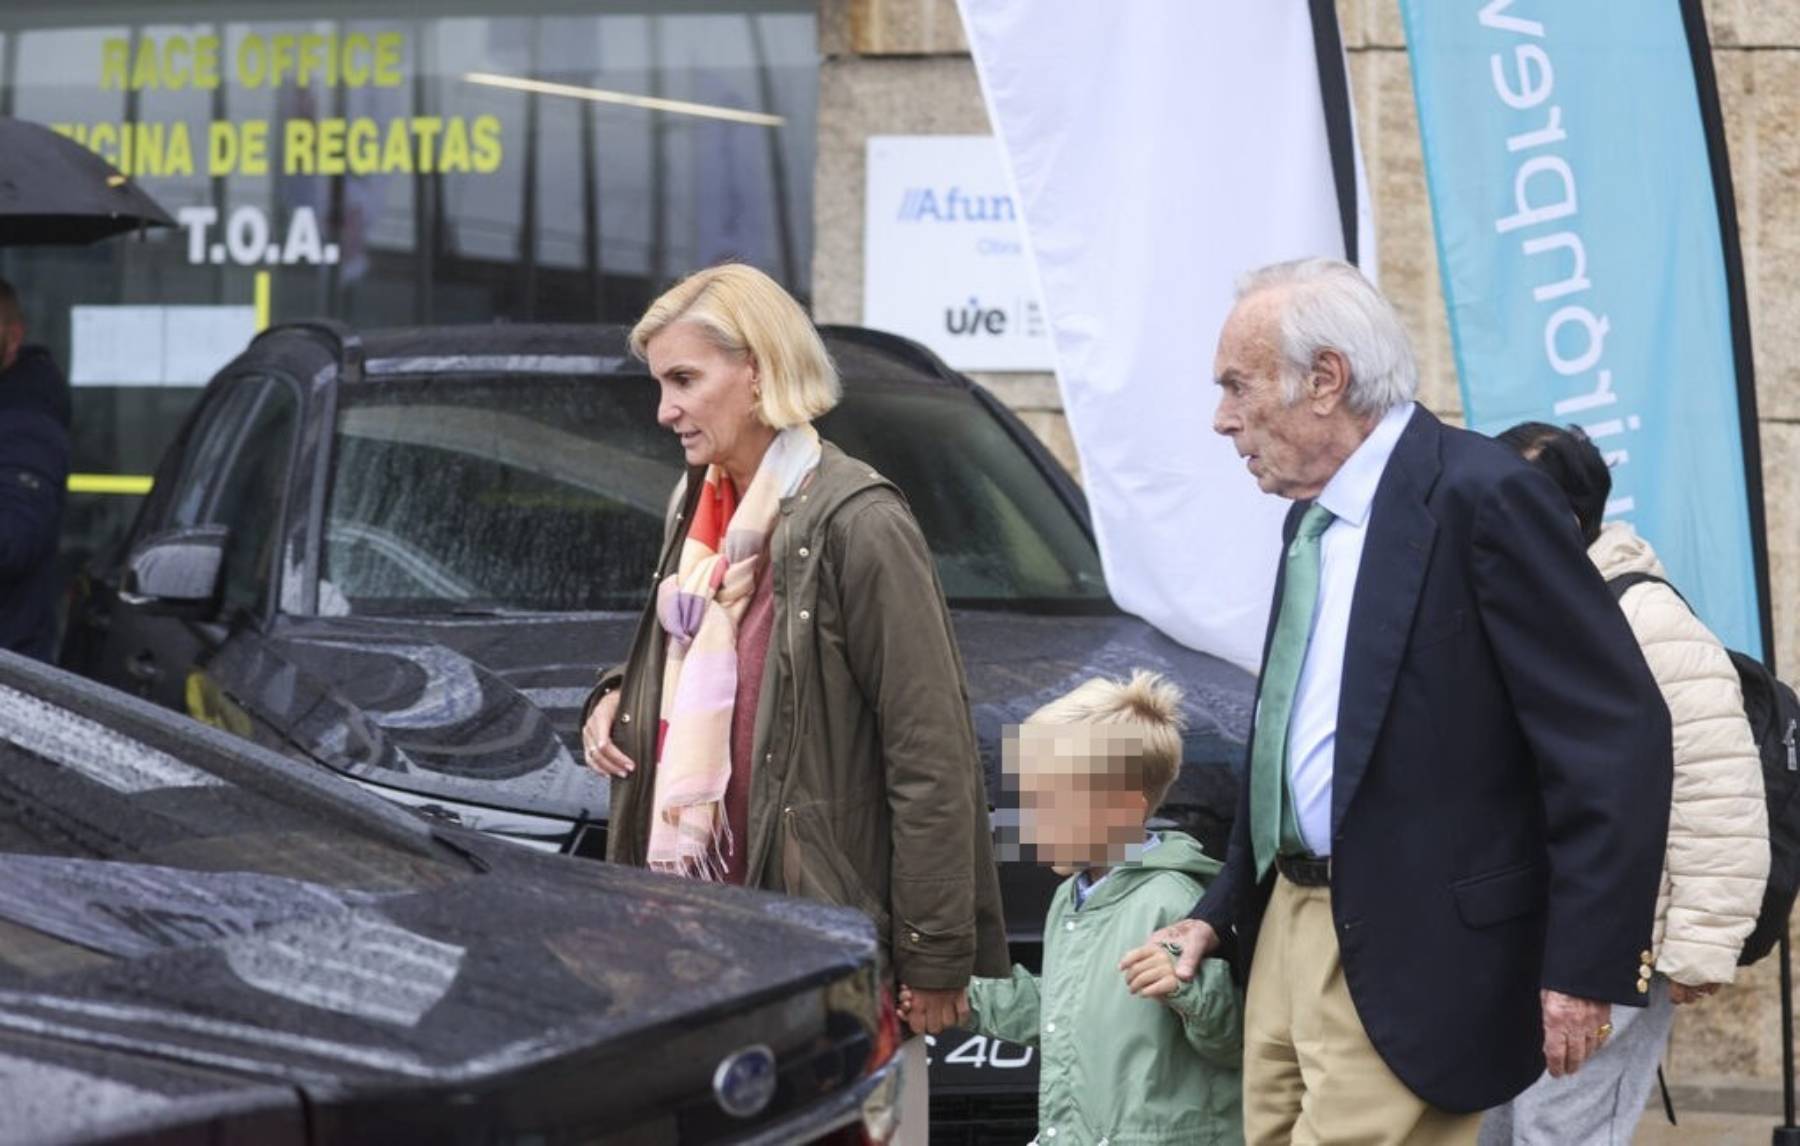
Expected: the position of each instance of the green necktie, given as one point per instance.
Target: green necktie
(1271, 805)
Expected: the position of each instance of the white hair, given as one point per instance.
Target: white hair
(1327, 304)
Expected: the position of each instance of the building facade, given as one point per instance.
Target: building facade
(392, 163)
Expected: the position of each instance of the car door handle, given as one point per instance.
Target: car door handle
(143, 667)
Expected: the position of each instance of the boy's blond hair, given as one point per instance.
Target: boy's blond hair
(1149, 705)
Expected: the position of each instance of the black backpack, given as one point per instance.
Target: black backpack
(1774, 714)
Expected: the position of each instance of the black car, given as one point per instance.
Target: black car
(202, 941)
(403, 555)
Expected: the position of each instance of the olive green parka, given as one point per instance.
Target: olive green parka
(866, 789)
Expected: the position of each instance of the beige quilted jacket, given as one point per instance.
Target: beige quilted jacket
(1718, 858)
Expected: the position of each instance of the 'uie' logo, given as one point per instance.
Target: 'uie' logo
(974, 319)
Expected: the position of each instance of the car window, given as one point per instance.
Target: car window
(249, 494)
(1001, 534)
(535, 492)
(209, 447)
(548, 494)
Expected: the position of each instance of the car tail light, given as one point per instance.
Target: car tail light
(873, 1006)
(881, 1113)
(887, 1033)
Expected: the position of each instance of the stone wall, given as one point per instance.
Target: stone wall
(902, 67)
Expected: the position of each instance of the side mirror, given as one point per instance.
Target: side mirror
(178, 568)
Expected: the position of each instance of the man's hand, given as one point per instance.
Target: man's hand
(1573, 1030)
(602, 755)
(1193, 940)
(1681, 994)
(932, 1012)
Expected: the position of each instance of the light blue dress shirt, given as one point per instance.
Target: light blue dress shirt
(1312, 727)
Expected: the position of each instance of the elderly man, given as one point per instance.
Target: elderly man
(34, 471)
(1446, 856)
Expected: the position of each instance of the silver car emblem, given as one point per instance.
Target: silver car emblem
(744, 1082)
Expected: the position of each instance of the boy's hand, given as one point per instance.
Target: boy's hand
(1186, 944)
(903, 1005)
(1150, 971)
(932, 1012)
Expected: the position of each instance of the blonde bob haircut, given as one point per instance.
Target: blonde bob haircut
(747, 314)
(1148, 705)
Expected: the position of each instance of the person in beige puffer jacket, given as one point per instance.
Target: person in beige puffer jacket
(1718, 850)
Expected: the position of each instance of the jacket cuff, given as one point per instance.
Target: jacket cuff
(1694, 965)
(610, 680)
(933, 972)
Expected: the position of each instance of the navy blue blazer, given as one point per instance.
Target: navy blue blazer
(1500, 799)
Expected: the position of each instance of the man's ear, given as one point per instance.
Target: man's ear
(1328, 384)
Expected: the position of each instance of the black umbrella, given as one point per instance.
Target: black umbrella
(55, 192)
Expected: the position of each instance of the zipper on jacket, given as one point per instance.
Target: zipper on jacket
(1792, 747)
(787, 628)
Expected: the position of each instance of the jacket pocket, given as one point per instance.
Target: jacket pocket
(1497, 896)
(814, 867)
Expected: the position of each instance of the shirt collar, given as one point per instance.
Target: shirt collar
(1351, 491)
(1085, 886)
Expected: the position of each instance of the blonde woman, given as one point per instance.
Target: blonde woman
(793, 715)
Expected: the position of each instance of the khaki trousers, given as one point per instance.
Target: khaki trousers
(1310, 1072)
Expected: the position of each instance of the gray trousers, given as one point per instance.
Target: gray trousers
(1600, 1104)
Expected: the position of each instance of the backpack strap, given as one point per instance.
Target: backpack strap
(1625, 582)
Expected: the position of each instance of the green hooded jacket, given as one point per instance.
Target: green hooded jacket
(1115, 1070)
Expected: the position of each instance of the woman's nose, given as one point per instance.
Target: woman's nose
(667, 412)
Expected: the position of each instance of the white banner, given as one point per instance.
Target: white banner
(1157, 150)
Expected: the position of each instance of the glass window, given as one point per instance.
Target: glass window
(540, 493)
(402, 164)
(1002, 535)
(536, 493)
(250, 494)
(208, 449)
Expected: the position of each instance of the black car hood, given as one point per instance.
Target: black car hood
(190, 974)
(479, 710)
(487, 710)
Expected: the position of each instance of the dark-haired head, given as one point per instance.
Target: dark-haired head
(1573, 462)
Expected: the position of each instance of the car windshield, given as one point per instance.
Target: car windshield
(121, 838)
(465, 493)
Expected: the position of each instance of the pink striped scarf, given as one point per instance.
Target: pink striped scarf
(699, 606)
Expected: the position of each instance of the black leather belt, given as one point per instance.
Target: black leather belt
(1306, 871)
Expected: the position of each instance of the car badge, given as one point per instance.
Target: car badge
(745, 1081)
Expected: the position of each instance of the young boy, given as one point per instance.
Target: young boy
(1114, 1069)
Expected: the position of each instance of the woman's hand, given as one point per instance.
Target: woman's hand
(603, 756)
(933, 1012)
